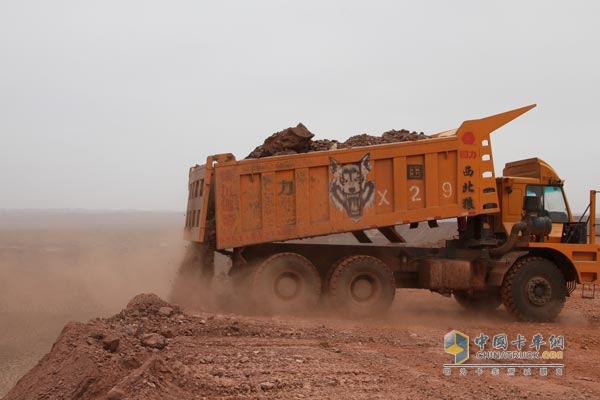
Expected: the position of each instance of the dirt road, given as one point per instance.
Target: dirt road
(153, 350)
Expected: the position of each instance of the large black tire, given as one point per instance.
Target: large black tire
(285, 283)
(534, 289)
(479, 301)
(361, 286)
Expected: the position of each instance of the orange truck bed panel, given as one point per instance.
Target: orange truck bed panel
(320, 193)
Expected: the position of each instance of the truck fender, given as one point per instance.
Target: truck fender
(498, 268)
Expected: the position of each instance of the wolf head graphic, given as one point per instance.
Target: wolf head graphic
(349, 188)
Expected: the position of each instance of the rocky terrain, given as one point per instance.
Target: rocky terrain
(154, 350)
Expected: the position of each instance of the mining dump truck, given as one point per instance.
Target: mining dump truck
(517, 242)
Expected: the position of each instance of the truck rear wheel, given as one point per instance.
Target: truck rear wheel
(534, 289)
(286, 283)
(481, 300)
(361, 286)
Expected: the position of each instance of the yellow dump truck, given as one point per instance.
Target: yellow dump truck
(516, 240)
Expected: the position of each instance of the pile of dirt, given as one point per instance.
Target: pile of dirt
(287, 141)
(300, 140)
(153, 350)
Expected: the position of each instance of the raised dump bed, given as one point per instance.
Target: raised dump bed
(320, 193)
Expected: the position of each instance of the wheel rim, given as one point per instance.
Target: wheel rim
(287, 286)
(539, 291)
(364, 288)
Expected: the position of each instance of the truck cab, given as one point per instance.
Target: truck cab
(534, 178)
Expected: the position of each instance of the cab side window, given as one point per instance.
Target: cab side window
(553, 202)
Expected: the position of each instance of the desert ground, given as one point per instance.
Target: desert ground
(69, 328)
(63, 266)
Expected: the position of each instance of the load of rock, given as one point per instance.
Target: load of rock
(299, 139)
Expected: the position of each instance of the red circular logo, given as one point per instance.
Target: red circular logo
(468, 138)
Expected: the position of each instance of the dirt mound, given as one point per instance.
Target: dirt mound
(114, 358)
(145, 303)
(151, 350)
(105, 358)
(299, 140)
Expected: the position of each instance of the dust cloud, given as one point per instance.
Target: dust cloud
(57, 267)
(202, 283)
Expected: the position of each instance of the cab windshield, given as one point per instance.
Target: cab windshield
(553, 202)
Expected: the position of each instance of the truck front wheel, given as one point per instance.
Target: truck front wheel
(361, 286)
(285, 283)
(534, 289)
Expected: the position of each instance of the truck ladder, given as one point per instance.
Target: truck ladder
(588, 291)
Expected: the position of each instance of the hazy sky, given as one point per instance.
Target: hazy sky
(106, 104)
